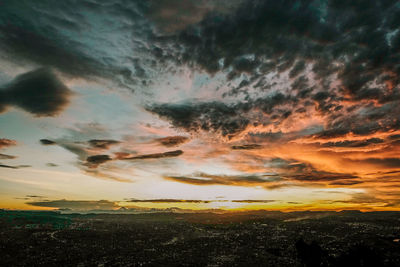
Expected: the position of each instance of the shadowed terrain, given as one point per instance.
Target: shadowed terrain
(258, 238)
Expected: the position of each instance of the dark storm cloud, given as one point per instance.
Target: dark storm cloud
(4, 142)
(168, 154)
(76, 204)
(39, 92)
(227, 119)
(103, 144)
(171, 141)
(205, 116)
(286, 31)
(251, 37)
(47, 142)
(353, 46)
(56, 38)
(5, 156)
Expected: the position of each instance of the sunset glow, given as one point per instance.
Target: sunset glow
(231, 105)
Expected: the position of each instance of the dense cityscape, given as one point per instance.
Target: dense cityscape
(258, 238)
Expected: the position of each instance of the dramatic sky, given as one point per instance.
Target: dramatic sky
(231, 104)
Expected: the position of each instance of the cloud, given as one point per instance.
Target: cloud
(354, 143)
(168, 154)
(278, 173)
(56, 39)
(5, 156)
(14, 167)
(168, 200)
(91, 156)
(94, 161)
(292, 62)
(171, 141)
(171, 16)
(254, 201)
(105, 175)
(364, 199)
(29, 40)
(47, 142)
(212, 116)
(38, 92)
(246, 147)
(103, 144)
(394, 137)
(317, 176)
(225, 119)
(287, 34)
(4, 142)
(346, 183)
(76, 204)
(269, 181)
(75, 140)
(8, 166)
(208, 179)
(382, 162)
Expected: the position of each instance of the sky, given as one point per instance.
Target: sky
(224, 104)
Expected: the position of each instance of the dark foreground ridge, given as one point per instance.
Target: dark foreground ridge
(348, 238)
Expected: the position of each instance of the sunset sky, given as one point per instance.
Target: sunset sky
(225, 104)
